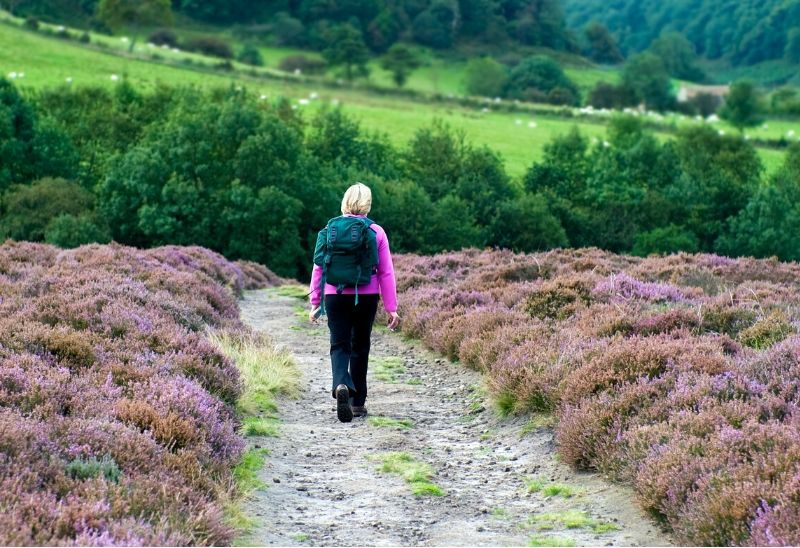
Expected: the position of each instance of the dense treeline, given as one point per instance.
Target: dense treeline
(380, 23)
(256, 180)
(743, 31)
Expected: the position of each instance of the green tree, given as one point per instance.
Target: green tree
(134, 14)
(434, 158)
(601, 44)
(69, 231)
(664, 240)
(742, 107)
(452, 227)
(346, 48)
(769, 224)
(792, 50)
(28, 209)
(647, 78)
(435, 27)
(678, 55)
(526, 224)
(401, 61)
(485, 77)
(539, 74)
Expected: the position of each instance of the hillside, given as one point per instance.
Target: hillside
(741, 32)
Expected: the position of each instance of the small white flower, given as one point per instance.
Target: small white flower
(532, 125)
(114, 77)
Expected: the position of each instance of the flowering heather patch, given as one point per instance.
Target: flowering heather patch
(678, 374)
(116, 411)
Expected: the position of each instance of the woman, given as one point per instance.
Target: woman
(351, 310)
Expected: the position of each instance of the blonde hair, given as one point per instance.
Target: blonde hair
(357, 200)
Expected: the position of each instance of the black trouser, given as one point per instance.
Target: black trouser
(351, 326)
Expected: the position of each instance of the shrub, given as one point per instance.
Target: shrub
(210, 45)
(164, 37)
(32, 23)
(250, 56)
(303, 64)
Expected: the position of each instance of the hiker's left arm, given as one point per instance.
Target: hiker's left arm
(386, 279)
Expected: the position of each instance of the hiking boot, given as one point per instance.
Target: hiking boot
(343, 409)
(359, 411)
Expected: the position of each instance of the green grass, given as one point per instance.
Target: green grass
(260, 426)
(570, 519)
(534, 485)
(540, 540)
(538, 421)
(558, 490)
(388, 369)
(300, 537)
(291, 290)
(388, 422)
(416, 473)
(49, 61)
(266, 372)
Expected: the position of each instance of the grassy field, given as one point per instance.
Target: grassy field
(519, 138)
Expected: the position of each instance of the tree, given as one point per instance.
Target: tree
(645, 75)
(401, 61)
(742, 106)
(541, 74)
(602, 46)
(134, 13)
(526, 224)
(485, 77)
(678, 55)
(435, 27)
(346, 48)
(792, 50)
(28, 209)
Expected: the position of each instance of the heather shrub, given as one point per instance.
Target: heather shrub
(116, 412)
(678, 374)
(767, 331)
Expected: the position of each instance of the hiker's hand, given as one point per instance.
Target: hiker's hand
(313, 316)
(394, 320)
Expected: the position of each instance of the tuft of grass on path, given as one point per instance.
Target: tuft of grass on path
(540, 540)
(417, 474)
(292, 290)
(388, 369)
(266, 372)
(558, 490)
(388, 422)
(570, 519)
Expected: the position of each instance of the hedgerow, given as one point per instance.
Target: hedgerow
(677, 374)
(117, 423)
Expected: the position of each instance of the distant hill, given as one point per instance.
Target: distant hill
(742, 32)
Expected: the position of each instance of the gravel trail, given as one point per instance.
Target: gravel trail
(324, 487)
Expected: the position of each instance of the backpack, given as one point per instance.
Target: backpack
(347, 251)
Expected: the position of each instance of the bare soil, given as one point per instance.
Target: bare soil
(323, 483)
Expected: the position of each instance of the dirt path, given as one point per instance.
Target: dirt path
(324, 487)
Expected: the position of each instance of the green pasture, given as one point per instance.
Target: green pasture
(519, 138)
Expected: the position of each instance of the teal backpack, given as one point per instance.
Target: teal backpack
(347, 251)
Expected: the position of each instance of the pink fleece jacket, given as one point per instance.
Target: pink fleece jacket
(382, 283)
